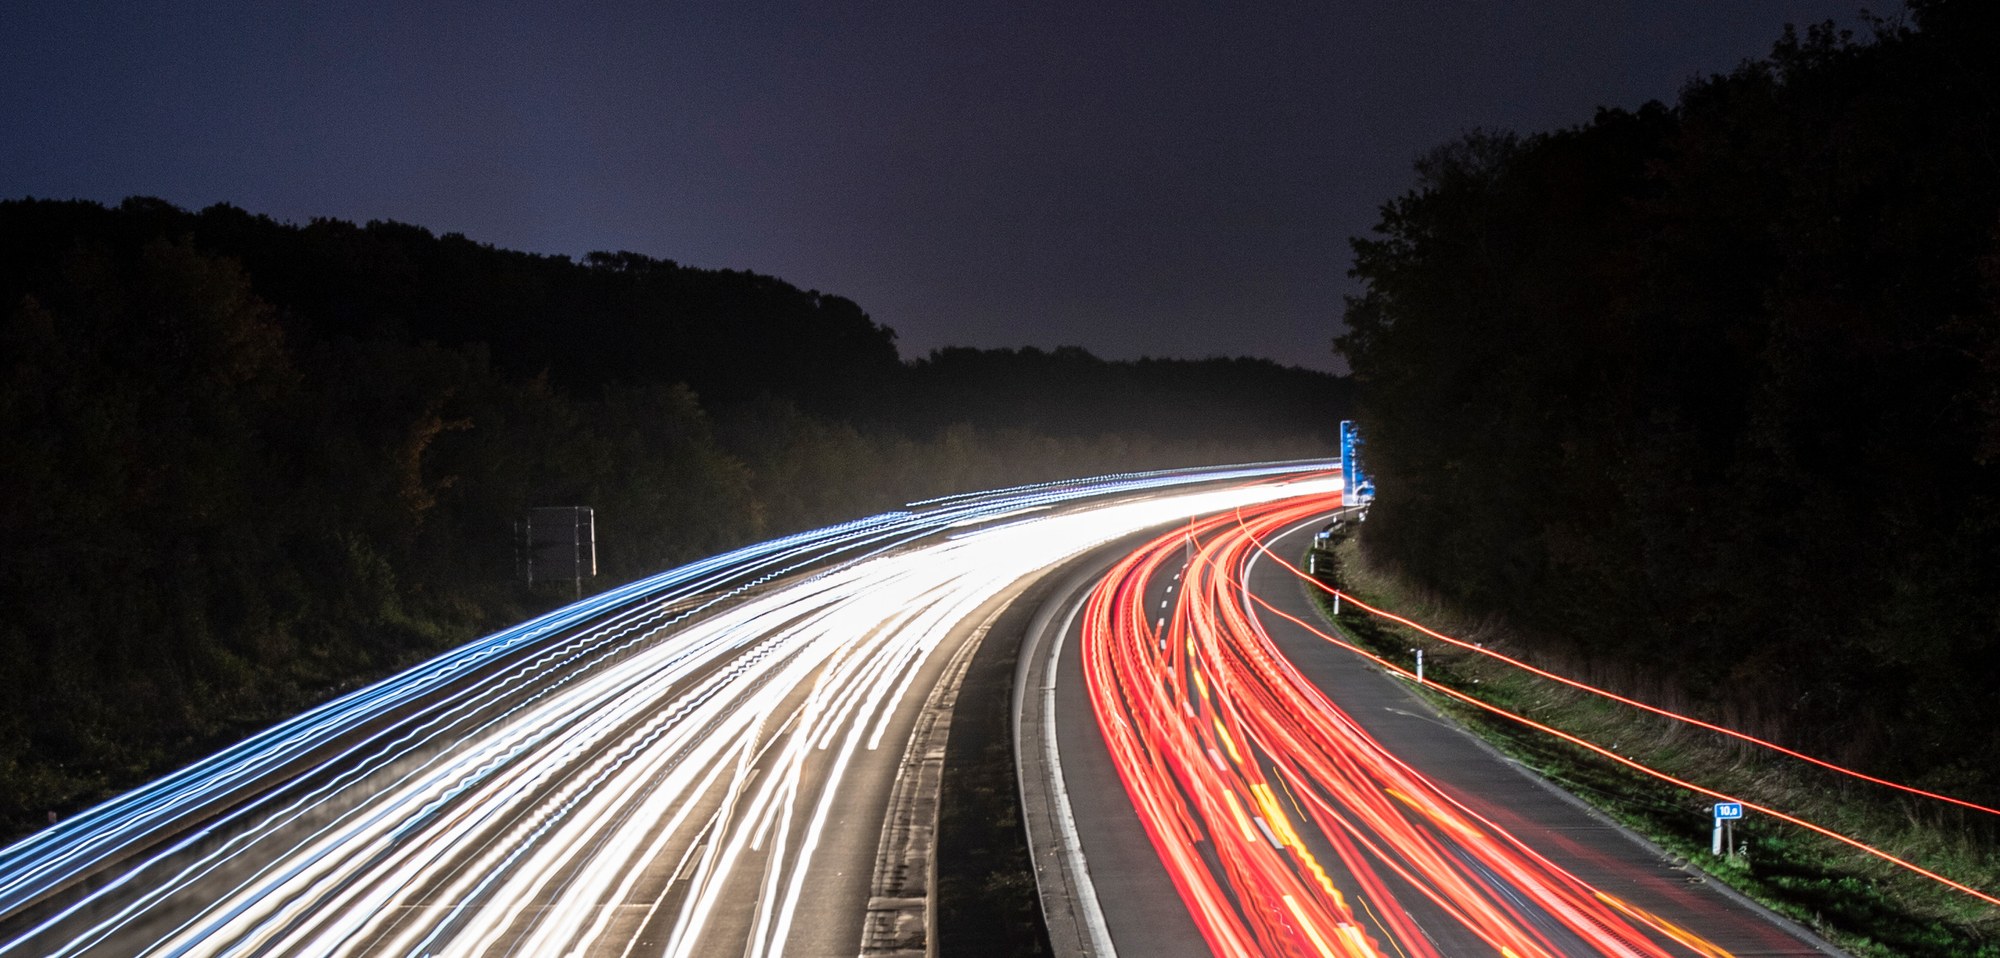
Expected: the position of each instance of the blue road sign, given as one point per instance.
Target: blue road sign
(1359, 488)
(1727, 810)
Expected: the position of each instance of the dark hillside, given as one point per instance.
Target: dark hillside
(248, 465)
(612, 318)
(1069, 392)
(1707, 396)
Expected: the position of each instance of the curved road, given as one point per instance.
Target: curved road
(1228, 782)
(726, 758)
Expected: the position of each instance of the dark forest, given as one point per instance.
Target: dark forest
(250, 465)
(1705, 398)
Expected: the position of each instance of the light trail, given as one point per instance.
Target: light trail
(663, 762)
(1284, 826)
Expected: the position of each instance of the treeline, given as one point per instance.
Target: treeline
(610, 318)
(1706, 398)
(1069, 392)
(248, 465)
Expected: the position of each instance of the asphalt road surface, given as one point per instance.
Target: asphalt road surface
(716, 760)
(1238, 785)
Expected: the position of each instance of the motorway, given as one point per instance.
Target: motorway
(727, 758)
(741, 756)
(1229, 782)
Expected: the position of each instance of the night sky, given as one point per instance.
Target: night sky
(1175, 179)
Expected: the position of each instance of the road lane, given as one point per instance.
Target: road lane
(1520, 802)
(694, 764)
(1127, 892)
(1308, 804)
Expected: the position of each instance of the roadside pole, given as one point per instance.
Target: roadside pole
(1723, 839)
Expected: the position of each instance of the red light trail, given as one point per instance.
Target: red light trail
(1285, 827)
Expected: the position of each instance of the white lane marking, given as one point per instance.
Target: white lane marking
(1089, 909)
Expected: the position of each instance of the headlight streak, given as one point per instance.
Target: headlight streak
(501, 752)
(1246, 779)
(35, 865)
(598, 712)
(511, 794)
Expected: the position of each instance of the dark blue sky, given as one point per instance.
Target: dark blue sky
(1172, 179)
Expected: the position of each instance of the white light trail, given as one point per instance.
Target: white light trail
(664, 758)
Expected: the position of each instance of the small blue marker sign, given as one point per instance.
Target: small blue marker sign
(1728, 810)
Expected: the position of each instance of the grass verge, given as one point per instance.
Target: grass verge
(1863, 904)
(986, 897)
